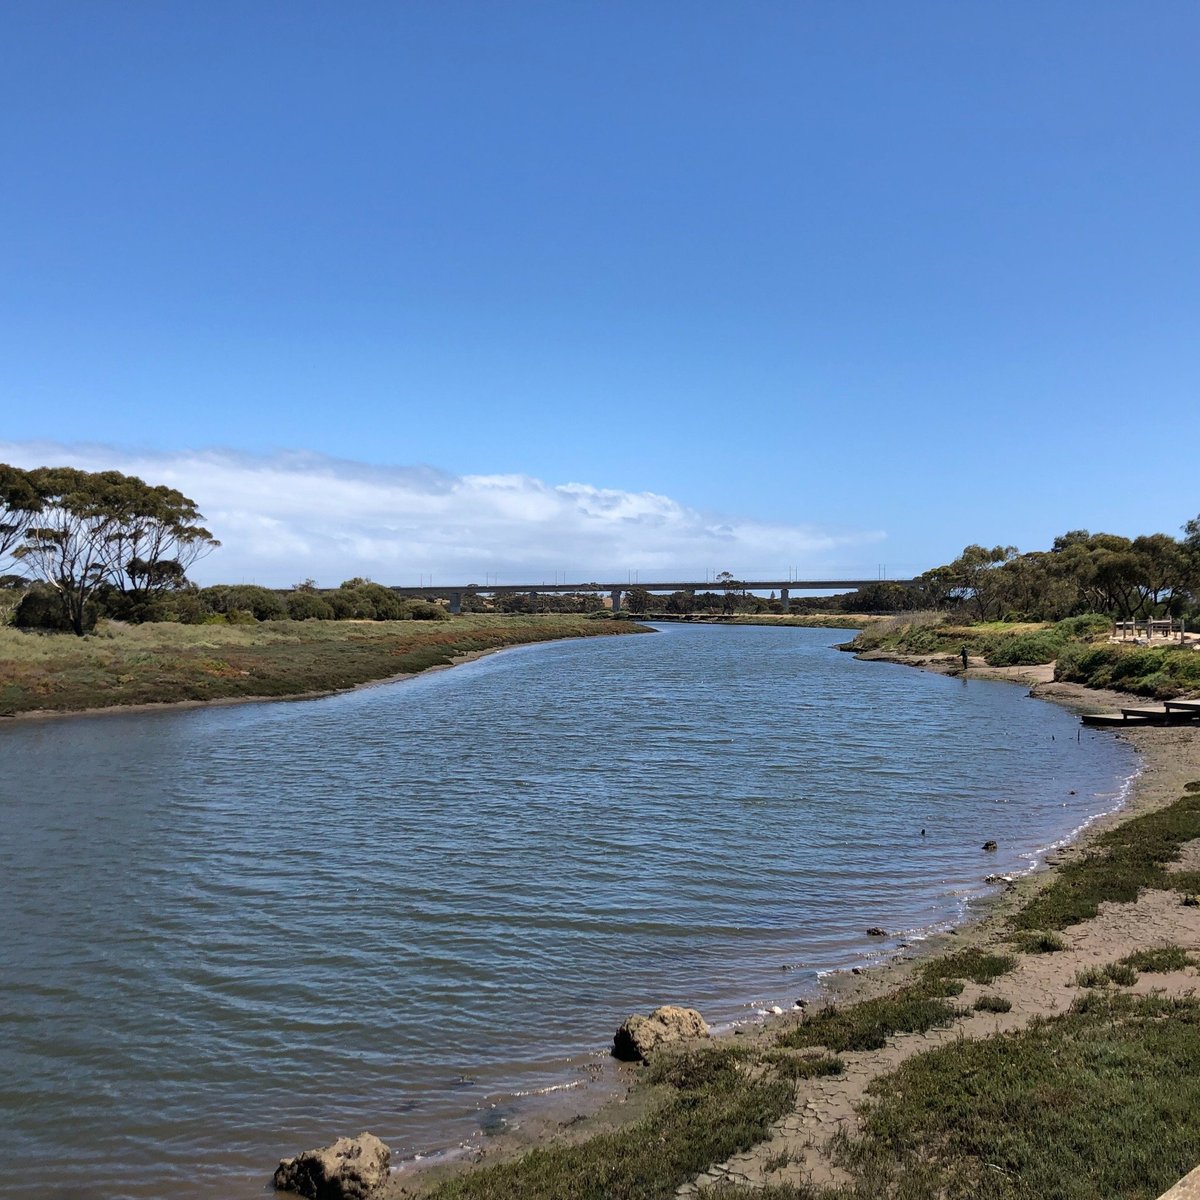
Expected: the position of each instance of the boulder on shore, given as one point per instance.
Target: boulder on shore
(639, 1036)
(350, 1169)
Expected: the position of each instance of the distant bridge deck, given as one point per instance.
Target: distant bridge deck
(456, 591)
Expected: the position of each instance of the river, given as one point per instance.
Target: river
(227, 934)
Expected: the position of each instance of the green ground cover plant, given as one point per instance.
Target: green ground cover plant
(1039, 941)
(1103, 1100)
(1159, 959)
(804, 1066)
(1050, 1110)
(712, 1108)
(868, 1024)
(1119, 864)
(1094, 977)
(979, 966)
(992, 1004)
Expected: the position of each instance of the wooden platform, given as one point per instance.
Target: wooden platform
(1170, 712)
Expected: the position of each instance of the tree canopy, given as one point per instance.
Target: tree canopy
(78, 532)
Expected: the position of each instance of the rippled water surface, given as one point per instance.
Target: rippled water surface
(226, 934)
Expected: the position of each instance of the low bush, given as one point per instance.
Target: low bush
(1159, 959)
(976, 965)
(805, 1066)
(992, 1004)
(1119, 972)
(868, 1024)
(41, 608)
(308, 606)
(1159, 671)
(1039, 941)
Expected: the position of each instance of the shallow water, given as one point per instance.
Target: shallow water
(230, 933)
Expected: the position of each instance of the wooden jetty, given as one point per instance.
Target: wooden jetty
(1170, 712)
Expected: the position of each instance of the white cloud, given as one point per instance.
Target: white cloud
(297, 514)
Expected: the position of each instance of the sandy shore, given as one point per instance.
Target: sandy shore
(1041, 984)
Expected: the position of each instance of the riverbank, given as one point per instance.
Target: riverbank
(125, 668)
(988, 1021)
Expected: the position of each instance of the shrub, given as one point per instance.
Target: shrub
(1118, 972)
(41, 608)
(868, 1024)
(1157, 959)
(1159, 671)
(1038, 941)
(805, 1066)
(308, 606)
(262, 603)
(1026, 649)
(423, 610)
(992, 1004)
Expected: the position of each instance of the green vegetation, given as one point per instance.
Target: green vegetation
(1001, 644)
(159, 663)
(1159, 671)
(1118, 865)
(868, 1024)
(992, 1004)
(1119, 972)
(1159, 959)
(918, 1006)
(1039, 941)
(804, 1066)
(85, 535)
(713, 1107)
(976, 965)
(1045, 1111)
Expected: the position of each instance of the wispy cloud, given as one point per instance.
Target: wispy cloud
(296, 514)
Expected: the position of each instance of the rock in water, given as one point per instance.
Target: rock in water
(350, 1169)
(989, 845)
(640, 1036)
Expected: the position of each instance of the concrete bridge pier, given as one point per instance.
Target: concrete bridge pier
(616, 600)
(533, 601)
(784, 598)
(456, 602)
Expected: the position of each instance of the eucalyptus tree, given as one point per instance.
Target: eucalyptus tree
(154, 540)
(104, 528)
(19, 505)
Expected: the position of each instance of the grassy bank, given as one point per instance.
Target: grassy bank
(168, 663)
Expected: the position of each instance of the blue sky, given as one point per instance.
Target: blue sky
(773, 284)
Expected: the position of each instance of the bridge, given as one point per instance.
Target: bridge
(616, 591)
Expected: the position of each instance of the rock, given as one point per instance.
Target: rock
(350, 1169)
(639, 1036)
(875, 931)
(989, 845)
